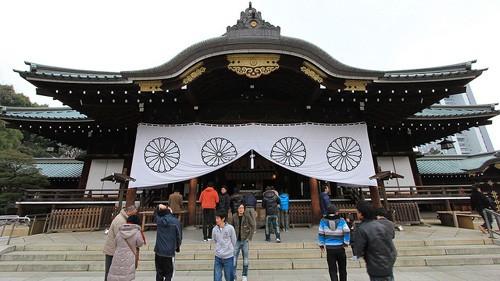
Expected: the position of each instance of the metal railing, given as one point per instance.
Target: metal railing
(496, 215)
(12, 220)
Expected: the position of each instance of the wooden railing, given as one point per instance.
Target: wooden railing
(428, 191)
(38, 195)
(85, 219)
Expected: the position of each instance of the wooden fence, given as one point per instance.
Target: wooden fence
(85, 219)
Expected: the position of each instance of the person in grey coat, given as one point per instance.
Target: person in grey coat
(110, 244)
(128, 240)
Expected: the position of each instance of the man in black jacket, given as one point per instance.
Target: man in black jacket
(374, 243)
(224, 199)
(168, 242)
(271, 203)
(479, 202)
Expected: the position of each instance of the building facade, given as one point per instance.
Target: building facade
(252, 75)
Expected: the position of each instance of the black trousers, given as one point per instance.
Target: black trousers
(208, 223)
(108, 261)
(164, 268)
(337, 262)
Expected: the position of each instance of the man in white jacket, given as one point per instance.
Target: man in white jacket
(110, 244)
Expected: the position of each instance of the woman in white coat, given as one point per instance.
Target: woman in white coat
(128, 240)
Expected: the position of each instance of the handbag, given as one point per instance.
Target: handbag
(136, 253)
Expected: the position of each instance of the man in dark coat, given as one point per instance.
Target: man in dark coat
(271, 203)
(324, 199)
(374, 243)
(250, 203)
(168, 242)
(479, 202)
(224, 200)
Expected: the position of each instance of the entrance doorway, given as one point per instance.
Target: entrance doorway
(240, 174)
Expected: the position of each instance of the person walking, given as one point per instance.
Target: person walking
(209, 199)
(271, 202)
(128, 241)
(235, 200)
(244, 227)
(110, 243)
(224, 199)
(168, 242)
(284, 219)
(334, 237)
(224, 237)
(250, 203)
(374, 243)
(175, 201)
(324, 199)
(352, 227)
(479, 202)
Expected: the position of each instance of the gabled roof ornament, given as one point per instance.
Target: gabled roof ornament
(252, 24)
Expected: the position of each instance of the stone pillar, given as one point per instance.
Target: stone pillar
(192, 201)
(315, 209)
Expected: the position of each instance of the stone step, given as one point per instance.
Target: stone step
(275, 264)
(207, 254)
(255, 245)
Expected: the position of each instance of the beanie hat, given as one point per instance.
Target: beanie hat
(332, 209)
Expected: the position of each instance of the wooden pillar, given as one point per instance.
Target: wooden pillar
(315, 209)
(375, 196)
(192, 201)
(131, 194)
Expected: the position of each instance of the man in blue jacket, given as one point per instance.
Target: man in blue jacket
(168, 242)
(284, 219)
(324, 199)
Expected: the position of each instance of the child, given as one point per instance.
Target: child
(128, 240)
(224, 237)
(334, 236)
(352, 227)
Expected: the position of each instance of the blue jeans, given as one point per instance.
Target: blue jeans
(227, 265)
(243, 245)
(272, 221)
(388, 278)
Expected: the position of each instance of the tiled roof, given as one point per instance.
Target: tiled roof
(57, 168)
(447, 111)
(41, 71)
(454, 164)
(42, 113)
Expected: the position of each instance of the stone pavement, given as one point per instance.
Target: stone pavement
(193, 236)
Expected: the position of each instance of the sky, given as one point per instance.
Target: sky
(112, 35)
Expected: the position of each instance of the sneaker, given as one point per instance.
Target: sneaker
(484, 230)
(205, 240)
(268, 240)
(354, 258)
(278, 240)
(209, 239)
(243, 278)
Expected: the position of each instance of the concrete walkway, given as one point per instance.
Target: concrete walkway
(193, 236)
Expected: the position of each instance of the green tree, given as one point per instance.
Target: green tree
(24, 141)
(9, 138)
(9, 97)
(17, 172)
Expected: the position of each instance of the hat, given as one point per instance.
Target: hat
(134, 219)
(332, 209)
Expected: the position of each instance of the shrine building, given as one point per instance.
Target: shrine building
(249, 109)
